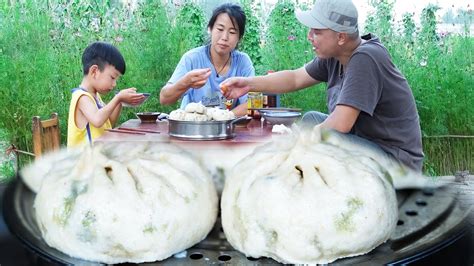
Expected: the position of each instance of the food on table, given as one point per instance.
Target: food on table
(195, 108)
(198, 112)
(125, 202)
(220, 115)
(177, 114)
(210, 113)
(310, 198)
(281, 129)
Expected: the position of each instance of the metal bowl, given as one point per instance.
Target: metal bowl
(203, 130)
(286, 118)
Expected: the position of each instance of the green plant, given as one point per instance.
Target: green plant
(41, 43)
(251, 40)
(286, 44)
(447, 155)
(7, 171)
(7, 159)
(381, 22)
(27, 71)
(428, 25)
(191, 23)
(409, 27)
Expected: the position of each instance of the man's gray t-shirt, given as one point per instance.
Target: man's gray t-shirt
(372, 84)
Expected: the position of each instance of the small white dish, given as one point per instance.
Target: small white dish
(286, 118)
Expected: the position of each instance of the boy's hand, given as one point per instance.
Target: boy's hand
(197, 78)
(233, 88)
(130, 96)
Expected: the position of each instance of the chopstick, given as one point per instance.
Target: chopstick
(125, 131)
(138, 130)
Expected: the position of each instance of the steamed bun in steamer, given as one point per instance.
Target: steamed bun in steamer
(200, 117)
(177, 114)
(305, 200)
(220, 115)
(199, 112)
(190, 117)
(127, 202)
(210, 112)
(195, 108)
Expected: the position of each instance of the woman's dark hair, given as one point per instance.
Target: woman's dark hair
(101, 54)
(235, 13)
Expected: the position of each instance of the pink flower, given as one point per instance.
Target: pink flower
(291, 37)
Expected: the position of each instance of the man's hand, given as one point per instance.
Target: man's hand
(197, 78)
(233, 88)
(130, 96)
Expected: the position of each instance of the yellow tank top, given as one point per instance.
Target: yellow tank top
(83, 136)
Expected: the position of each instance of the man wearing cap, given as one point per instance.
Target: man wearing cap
(367, 95)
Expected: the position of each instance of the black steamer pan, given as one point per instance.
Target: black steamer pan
(435, 227)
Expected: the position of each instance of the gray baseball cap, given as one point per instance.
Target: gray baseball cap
(337, 15)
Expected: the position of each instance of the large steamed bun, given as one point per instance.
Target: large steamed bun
(127, 202)
(55, 163)
(305, 200)
(177, 114)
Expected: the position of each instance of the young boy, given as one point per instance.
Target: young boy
(89, 117)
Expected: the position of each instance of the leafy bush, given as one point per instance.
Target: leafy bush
(191, 25)
(286, 44)
(250, 43)
(409, 28)
(28, 73)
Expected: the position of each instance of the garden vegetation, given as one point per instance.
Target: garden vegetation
(41, 43)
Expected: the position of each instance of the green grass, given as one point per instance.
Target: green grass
(448, 155)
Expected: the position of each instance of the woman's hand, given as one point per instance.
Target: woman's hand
(197, 78)
(233, 88)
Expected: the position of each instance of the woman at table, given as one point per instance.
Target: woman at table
(200, 71)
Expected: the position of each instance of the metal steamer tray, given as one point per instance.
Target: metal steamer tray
(203, 130)
(434, 226)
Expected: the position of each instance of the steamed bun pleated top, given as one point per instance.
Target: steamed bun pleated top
(126, 202)
(303, 199)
